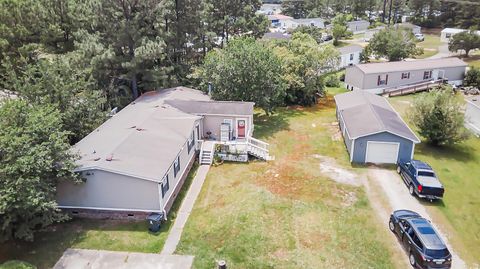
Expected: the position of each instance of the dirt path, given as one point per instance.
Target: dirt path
(389, 183)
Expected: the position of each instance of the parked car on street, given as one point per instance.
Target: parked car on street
(420, 37)
(420, 240)
(421, 180)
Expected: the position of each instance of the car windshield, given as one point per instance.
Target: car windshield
(426, 174)
(437, 253)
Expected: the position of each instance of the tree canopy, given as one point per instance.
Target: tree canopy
(340, 28)
(393, 44)
(34, 156)
(438, 116)
(244, 70)
(466, 41)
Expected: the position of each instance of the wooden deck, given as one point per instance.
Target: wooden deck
(409, 89)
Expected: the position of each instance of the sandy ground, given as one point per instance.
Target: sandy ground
(394, 191)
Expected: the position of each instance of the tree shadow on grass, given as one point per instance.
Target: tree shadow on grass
(267, 126)
(459, 152)
(50, 244)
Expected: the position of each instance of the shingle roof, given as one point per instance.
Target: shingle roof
(146, 136)
(358, 21)
(350, 49)
(365, 113)
(213, 107)
(276, 35)
(374, 68)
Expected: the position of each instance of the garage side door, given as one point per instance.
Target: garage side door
(382, 152)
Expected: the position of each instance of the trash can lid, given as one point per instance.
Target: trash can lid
(155, 216)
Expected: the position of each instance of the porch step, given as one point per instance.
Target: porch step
(206, 155)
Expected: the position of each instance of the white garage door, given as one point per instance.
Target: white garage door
(382, 152)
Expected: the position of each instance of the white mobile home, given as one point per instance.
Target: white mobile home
(389, 76)
(472, 114)
(350, 55)
(359, 26)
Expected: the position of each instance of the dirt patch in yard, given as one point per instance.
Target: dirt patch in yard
(333, 171)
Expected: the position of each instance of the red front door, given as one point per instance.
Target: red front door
(241, 128)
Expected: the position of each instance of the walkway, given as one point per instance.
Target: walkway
(184, 211)
(100, 259)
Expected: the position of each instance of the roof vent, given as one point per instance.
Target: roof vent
(109, 158)
(474, 99)
(97, 159)
(140, 129)
(133, 127)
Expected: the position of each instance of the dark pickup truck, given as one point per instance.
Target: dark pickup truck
(421, 179)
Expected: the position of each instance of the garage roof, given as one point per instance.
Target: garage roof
(365, 114)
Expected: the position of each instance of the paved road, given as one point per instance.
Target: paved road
(101, 259)
(391, 185)
(184, 212)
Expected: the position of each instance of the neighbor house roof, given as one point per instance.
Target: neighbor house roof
(407, 25)
(277, 35)
(453, 30)
(475, 100)
(386, 67)
(357, 22)
(145, 137)
(279, 17)
(310, 20)
(365, 114)
(350, 49)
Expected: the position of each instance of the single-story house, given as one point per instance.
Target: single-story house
(447, 33)
(380, 77)
(316, 22)
(271, 9)
(279, 20)
(350, 55)
(472, 114)
(136, 162)
(373, 131)
(277, 35)
(406, 25)
(358, 26)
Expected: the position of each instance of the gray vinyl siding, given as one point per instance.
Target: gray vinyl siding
(354, 77)
(370, 81)
(346, 139)
(109, 190)
(405, 150)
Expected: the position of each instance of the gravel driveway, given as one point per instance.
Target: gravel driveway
(396, 193)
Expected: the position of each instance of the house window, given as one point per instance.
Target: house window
(448, 35)
(165, 186)
(427, 75)
(351, 56)
(382, 80)
(191, 141)
(176, 166)
(406, 75)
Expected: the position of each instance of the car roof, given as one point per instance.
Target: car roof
(426, 233)
(420, 165)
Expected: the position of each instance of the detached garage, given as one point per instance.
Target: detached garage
(373, 131)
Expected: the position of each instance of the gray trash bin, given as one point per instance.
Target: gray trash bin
(154, 222)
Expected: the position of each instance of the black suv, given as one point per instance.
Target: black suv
(424, 246)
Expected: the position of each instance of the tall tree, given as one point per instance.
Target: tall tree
(393, 44)
(34, 156)
(438, 116)
(244, 70)
(294, 8)
(304, 62)
(466, 41)
(340, 27)
(70, 90)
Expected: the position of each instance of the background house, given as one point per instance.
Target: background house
(278, 20)
(447, 33)
(369, 33)
(380, 77)
(472, 114)
(359, 26)
(350, 55)
(136, 162)
(277, 35)
(373, 131)
(410, 26)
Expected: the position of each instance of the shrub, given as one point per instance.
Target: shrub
(332, 81)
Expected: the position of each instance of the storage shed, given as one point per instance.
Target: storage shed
(373, 131)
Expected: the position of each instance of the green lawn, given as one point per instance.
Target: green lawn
(430, 45)
(473, 60)
(115, 235)
(458, 168)
(285, 213)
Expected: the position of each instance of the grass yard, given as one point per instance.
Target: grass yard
(458, 168)
(114, 235)
(430, 45)
(286, 213)
(473, 60)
